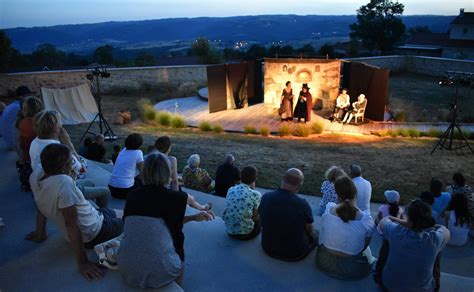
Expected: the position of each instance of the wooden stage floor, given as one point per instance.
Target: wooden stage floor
(195, 110)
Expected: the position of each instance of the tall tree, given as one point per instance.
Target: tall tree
(327, 50)
(144, 58)
(307, 50)
(379, 25)
(104, 55)
(201, 47)
(48, 55)
(6, 52)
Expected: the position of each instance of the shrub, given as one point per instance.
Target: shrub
(317, 127)
(205, 126)
(218, 128)
(458, 135)
(178, 121)
(284, 130)
(164, 118)
(414, 133)
(401, 117)
(264, 131)
(250, 130)
(434, 133)
(392, 133)
(147, 110)
(403, 132)
(301, 131)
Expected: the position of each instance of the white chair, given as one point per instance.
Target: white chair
(359, 114)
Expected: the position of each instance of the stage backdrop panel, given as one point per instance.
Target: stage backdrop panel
(217, 86)
(360, 78)
(322, 76)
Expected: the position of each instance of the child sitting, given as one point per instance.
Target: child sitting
(392, 208)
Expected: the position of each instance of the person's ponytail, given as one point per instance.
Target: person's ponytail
(346, 193)
(346, 211)
(393, 209)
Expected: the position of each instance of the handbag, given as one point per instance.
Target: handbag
(108, 252)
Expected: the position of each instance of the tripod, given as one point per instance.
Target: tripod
(104, 126)
(448, 136)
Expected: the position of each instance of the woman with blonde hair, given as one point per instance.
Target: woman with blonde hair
(327, 188)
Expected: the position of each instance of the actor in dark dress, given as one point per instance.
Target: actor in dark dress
(305, 104)
(287, 103)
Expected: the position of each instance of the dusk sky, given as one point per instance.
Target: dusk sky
(28, 13)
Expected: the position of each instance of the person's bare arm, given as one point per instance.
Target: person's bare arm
(88, 269)
(402, 222)
(447, 234)
(195, 204)
(174, 173)
(65, 139)
(201, 216)
(40, 234)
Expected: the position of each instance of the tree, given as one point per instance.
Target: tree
(255, 52)
(5, 51)
(287, 50)
(419, 28)
(144, 58)
(274, 51)
(104, 55)
(201, 47)
(328, 50)
(379, 25)
(47, 55)
(307, 50)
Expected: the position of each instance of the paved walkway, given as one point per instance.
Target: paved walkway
(214, 261)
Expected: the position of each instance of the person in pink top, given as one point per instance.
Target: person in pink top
(392, 208)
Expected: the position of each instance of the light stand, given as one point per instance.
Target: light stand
(448, 136)
(96, 72)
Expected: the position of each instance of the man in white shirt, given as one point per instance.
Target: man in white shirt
(363, 186)
(59, 200)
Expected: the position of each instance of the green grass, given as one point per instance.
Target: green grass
(436, 133)
(403, 132)
(164, 118)
(317, 127)
(218, 128)
(264, 132)
(205, 126)
(250, 130)
(284, 130)
(178, 121)
(301, 131)
(414, 133)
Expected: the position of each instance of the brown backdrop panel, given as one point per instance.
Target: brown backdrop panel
(216, 83)
(255, 81)
(237, 75)
(371, 81)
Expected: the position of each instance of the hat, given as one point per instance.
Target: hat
(305, 86)
(23, 90)
(392, 196)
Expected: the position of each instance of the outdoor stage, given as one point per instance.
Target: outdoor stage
(195, 110)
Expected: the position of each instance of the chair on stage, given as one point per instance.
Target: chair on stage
(357, 113)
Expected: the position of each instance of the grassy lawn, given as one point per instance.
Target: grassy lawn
(422, 99)
(389, 163)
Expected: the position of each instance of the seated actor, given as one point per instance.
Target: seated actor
(361, 103)
(287, 220)
(343, 103)
(59, 200)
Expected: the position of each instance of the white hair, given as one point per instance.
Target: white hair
(194, 161)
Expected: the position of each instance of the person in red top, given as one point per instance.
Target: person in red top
(30, 107)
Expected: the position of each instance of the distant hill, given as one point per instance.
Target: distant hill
(264, 29)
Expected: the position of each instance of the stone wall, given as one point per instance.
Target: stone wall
(121, 78)
(416, 64)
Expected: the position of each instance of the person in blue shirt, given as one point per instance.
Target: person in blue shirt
(441, 199)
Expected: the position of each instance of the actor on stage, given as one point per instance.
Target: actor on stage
(343, 103)
(360, 103)
(305, 104)
(286, 106)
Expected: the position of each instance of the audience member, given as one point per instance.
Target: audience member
(392, 208)
(241, 212)
(85, 146)
(196, 178)
(31, 106)
(96, 150)
(412, 259)
(429, 198)
(163, 145)
(458, 220)
(459, 186)
(441, 199)
(8, 128)
(327, 188)
(363, 186)
(287, 220)
(116, 153)
(345, 234)
(128, 164)
(152, 249)
(59, 200)
(227, 175)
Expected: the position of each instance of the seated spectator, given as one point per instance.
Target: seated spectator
(241, 212)
(415, 268)
(152, 249)
(345, 234)
(31, 106)
(128, 163)
(441, 199)
(116, 153)
(96, 150)
(287, 220)
(392, 208)
(86, 143)
(163, 145)
(363, 186)
(150, 149)
(327, 188)
(428, 198)
(458, 220)
(459, 186)
(59, 200)
(227, 175)
(8, 128)
(197, 178)
(47, 126)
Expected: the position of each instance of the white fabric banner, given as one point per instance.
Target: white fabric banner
(75, 104)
